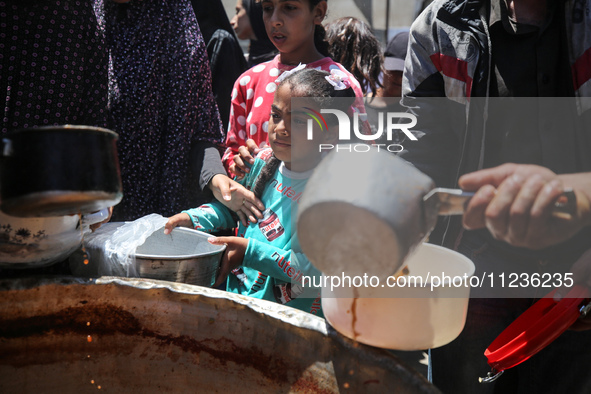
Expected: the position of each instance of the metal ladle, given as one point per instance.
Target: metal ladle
(362, 213)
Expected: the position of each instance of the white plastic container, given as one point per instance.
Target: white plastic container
(406, 318)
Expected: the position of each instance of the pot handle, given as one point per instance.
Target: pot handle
(453, 202)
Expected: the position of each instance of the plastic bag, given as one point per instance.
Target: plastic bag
(111, 249)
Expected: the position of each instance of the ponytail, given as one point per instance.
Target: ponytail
(266, 173)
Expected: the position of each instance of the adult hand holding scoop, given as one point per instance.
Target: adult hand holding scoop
(365, 212)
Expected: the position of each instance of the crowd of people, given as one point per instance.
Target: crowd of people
(216, 156)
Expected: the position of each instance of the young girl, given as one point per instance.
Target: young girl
(354, 45)
(295, 28)
(248, 25)
(265, 260)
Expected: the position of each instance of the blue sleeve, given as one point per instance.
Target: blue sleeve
(286, 265)
(211, 217)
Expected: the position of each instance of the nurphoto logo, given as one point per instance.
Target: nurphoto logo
(394, 122)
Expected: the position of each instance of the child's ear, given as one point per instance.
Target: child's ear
(320, 12)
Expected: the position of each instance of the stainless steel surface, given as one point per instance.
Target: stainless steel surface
(182, 256)
(59, 170)
(453, 202)
(365, 212)
(362, 213)
(68, 335)
(449, 201)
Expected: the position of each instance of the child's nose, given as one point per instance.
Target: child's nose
(282, 127)
(275, 18)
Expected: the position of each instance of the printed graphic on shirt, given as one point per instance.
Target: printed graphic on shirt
(286, 191)
(240, 275)
(196, 224)
(259, 283)
(286, 292)
(270, 225)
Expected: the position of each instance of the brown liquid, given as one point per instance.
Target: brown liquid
(354, 313)
(84, 253)
(404, 271)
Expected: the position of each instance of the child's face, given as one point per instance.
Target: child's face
(290, 24)
(291, 145)
(241, 23)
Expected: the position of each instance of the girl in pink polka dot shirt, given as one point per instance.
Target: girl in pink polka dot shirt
(295, 28)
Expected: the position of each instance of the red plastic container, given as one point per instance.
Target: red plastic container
(536, 328)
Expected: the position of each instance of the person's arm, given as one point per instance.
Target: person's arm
(227, 62)
(206, 161)
(208, 218)
(237, 198)
(515, 202)
(441, 120)
(286, 265)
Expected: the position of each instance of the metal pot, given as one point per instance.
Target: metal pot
(42, 241)
(183, 256)
(58, 171)
(362, 213)
(67, 335)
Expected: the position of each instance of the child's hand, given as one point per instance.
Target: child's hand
(236, 197)
(233, 255)
(245, 157)
(178, 220)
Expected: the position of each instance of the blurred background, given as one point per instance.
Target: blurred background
(386, 17)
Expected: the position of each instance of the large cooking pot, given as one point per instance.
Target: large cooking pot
(67, 335)
(58, 171)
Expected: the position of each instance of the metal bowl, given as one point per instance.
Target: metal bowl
(183, 256)
(37, 242)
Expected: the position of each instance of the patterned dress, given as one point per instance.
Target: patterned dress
(253, 96)
(53, 64)
(161, 103)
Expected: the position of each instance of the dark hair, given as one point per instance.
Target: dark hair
(313, 83)
(265, 175)
(319, 33)
(261, 49)
(353, 44)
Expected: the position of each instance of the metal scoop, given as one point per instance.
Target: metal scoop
(446, 202)
(363, 213)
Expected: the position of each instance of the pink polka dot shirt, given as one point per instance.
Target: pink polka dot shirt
(252, 98)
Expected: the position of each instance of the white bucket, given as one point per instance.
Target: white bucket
(407, 317)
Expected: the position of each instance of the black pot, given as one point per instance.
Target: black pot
(59, 170)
